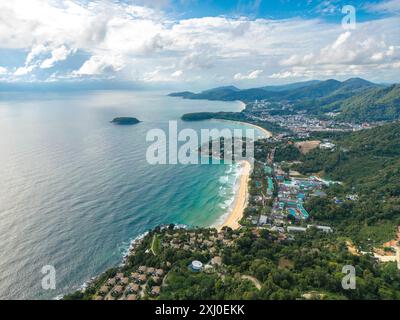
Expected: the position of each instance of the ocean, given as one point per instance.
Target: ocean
(75, 189)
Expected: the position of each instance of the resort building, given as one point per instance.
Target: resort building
(111, 282)
(155, 291)
(216, 261)
(142, 278)
(159, 272)
(119, 276)
(135, 275)
(118, 290)
(327, 146)
(263, 219)
(104, 290)
(142, 269)
(296, 229)
(196, 266)
(150, 271)
(133, 287)
(324, 228)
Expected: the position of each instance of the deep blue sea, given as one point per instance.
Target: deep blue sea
(75, 189)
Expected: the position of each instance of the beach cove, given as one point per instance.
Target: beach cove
(241, 199)
(235, 214)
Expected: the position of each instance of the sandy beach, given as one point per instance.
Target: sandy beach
(236, 213)
(267, 133)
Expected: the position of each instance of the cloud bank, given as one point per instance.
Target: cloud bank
(78, 40)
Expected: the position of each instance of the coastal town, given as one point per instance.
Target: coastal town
(298, 122)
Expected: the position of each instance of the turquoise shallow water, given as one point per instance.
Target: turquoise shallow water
(75, 190)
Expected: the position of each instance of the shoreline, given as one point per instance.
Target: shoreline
(268, 134)
(241, 197)
(241, 200)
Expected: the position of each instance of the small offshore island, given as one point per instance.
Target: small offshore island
(125, 121)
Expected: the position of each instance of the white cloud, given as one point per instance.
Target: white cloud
(328, 7)
(58, 54)
(98, 65)
(341, 39)
(3, 70)
(177, 74)
(21, 71)
(283, 75)
(129, 41)
(391, 6)
(251, 76)
(35, 52)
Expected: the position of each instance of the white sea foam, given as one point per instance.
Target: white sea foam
(224, 179)
(232, 184)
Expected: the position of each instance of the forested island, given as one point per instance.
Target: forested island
(125, 121)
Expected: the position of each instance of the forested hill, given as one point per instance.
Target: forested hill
(368, 155)
(368, 164)
(376, 104)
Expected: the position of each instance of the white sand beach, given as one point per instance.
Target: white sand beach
(236, 214)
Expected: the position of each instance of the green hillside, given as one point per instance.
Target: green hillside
(377, 104)
(368, 164)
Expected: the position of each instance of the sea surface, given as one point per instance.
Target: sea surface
(75, 190)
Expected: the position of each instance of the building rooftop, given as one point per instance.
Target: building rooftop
(196, 265)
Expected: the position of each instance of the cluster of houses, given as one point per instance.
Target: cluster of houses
(132, 287)
(206, 241)
(147, 281)
(298, 122)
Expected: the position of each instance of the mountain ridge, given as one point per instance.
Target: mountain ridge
(356, 99)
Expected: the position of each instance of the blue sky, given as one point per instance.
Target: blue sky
(279, 9)
(196, 44)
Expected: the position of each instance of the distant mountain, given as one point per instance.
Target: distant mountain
(356, 84)
(376, 104)
(291, 92)
(219, 89)
(313, 102)
(226, 94)
(357, 99)
(290, 86)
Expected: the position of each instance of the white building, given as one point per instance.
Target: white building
(327, 145)
(296, 229)
(196, 265)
